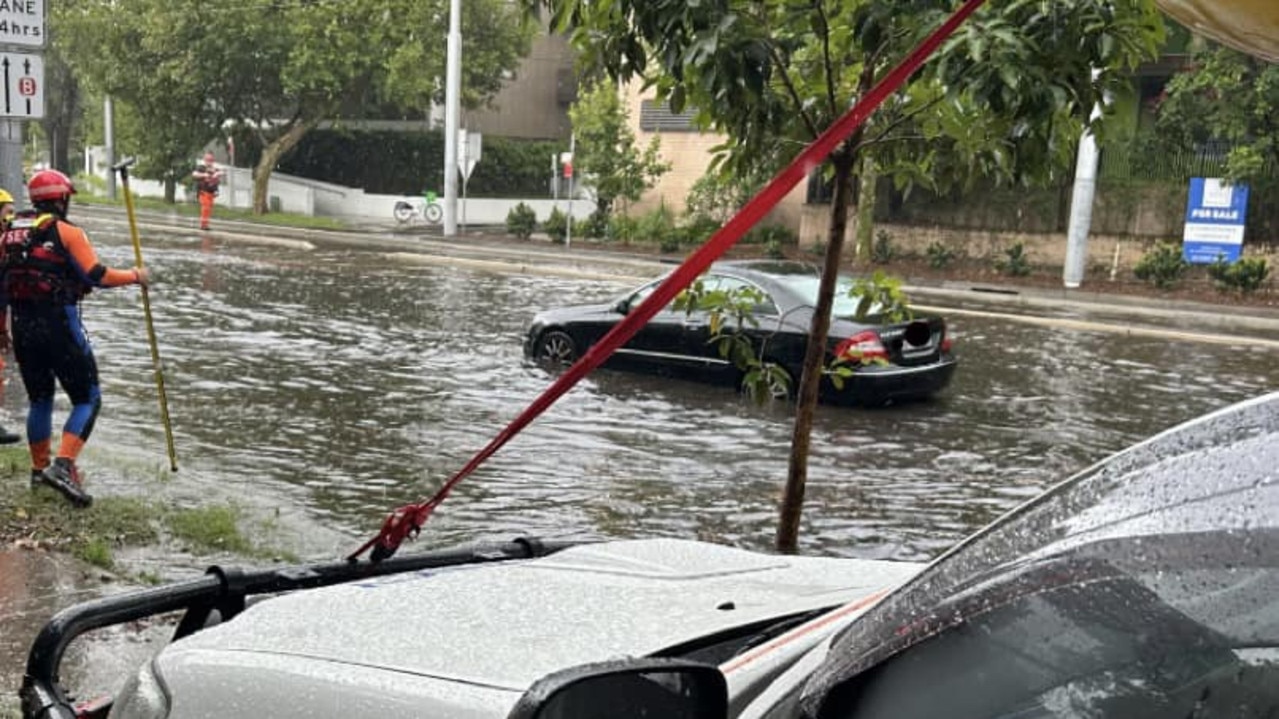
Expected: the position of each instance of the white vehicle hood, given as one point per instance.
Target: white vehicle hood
(504, 625)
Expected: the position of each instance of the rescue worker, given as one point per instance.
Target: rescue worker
(48, 266)
(6, 216)
(207, 179)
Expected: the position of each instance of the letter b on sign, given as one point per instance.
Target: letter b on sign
(27, 86)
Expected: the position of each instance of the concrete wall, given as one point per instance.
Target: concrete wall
(310, 197)
(689, 154)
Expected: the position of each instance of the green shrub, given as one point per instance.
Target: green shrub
(939, 255)
(697, 229)
(622, 228)
(882, 252)
(1015, 262)
(595, 226)
(656, 225)
(771, 233)
(1246, 275)
(669, 243)
(773, 248)
(521, 221)
(1163, 266)
(556, 226)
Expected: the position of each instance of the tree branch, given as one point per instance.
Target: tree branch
(830, 70)
(882, 136)
(790, 87)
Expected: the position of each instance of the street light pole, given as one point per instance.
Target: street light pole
(452, 99)
(108, 124)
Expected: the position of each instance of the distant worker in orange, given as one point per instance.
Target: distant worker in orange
(207, 179)
(48, 266)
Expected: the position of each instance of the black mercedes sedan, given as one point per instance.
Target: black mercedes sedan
(895, 362)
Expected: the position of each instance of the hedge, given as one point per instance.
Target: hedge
(406, 163)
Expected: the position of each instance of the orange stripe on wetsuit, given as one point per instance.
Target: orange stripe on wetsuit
(82, 254)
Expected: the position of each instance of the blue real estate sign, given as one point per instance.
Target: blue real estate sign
(1214, 221)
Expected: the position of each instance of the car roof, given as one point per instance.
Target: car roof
(504, 625)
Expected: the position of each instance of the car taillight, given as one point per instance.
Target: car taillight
(946, 344)
(862, 347)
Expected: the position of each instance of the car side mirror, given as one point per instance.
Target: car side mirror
(628, 689)
(623, 306)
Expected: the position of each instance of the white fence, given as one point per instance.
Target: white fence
(311, 197)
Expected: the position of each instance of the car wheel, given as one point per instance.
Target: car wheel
(403, 211)
(555, 348)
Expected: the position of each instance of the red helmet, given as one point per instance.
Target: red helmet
(50, 185)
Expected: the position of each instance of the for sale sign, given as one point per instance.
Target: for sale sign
(1215, 217)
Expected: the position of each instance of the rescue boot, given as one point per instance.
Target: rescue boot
(63, 476)
(7, 437)
(37, 477)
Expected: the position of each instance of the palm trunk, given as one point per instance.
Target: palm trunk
(815, 358)
(271, 155)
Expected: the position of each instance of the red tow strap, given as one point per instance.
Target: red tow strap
(407, 521)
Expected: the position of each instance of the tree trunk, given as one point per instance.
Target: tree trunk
(271, 155)
(866, 209)
(815, 357)
(170, 189)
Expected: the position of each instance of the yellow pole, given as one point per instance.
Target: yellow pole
(123, 168)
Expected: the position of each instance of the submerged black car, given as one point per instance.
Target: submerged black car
(891, 362)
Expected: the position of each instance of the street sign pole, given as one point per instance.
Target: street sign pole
(22, 40)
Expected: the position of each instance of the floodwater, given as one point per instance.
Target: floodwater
(319, 389)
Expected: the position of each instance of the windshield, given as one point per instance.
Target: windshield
(1148, 578)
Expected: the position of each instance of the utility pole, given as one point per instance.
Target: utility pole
(108, 124)
(452, 100)
(1081, 202)
(572, 180)
(11, 157)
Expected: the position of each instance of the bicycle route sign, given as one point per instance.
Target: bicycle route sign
(23, 77)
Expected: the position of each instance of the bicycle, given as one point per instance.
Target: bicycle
(429, 211)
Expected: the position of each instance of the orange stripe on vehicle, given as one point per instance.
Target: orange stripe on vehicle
(791, 636)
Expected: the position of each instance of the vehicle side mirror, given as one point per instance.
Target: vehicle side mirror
(623, 306)
(628, 689)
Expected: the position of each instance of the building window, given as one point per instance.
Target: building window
(657, 117)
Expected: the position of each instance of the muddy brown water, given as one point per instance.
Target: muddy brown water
(316, 390)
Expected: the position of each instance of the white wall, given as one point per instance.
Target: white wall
(311, 197)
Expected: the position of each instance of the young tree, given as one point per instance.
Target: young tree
(770, 73)
(606, 151)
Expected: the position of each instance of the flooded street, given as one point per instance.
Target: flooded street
(320, 389)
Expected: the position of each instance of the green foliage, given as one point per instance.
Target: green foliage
(771, 233)
(97, 552)
(210, 529)
(1224, 95)
(406, 163)
(556, 226)
(940, 255)
(183, 71)
(883, 251)
(622, 228)
(880, 297)
(606, 153)
(1163, 266)
(729, 313)
(1015, 262)
(521, 221)
(656, 225)
(773, 249)
(1246, 275)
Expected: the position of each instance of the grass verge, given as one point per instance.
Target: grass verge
(41, 518)
(188, 209)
